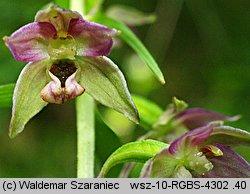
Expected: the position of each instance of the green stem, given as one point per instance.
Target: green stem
(85, 122)
(85, 136)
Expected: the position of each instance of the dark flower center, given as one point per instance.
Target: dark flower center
(62, 69)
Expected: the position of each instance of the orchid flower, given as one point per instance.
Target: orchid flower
(177, 113)
(205, 151)
(177, 119)
(198, 154)
(67, 56)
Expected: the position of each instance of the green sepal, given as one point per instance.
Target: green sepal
(166, 165)
(26, 98)
(163, 165)
(139, 151)
(103, 80)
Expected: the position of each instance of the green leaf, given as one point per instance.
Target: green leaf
(6, 92)
(229, 136)
(103, 80)
(26, 99)
(133, 17)
(130, 38)
(139, 151)
(148, 110)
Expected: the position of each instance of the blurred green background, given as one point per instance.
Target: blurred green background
(202, 47)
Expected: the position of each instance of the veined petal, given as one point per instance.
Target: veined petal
(30, 42)
(229, 165)
(92, 39)
(196, 117)
(57, 16)
(191, 138)
(103, 80)
(53, 92)
(26, 99)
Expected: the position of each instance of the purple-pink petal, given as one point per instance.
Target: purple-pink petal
(230, 165)
(92, 39)
(193, 118)
(191, 138)
(29, 43)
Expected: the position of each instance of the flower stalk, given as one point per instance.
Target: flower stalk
(85, 136)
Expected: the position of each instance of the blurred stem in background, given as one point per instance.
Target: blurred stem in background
(211, 30)
(158, 41)
(85, 115)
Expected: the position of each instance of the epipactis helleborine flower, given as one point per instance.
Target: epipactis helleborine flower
(191, 156)
(177, 120)
(66, 56)
(191, 118)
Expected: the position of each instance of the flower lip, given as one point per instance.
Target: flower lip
(63, 69)
(53, 92)
(63, 85)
